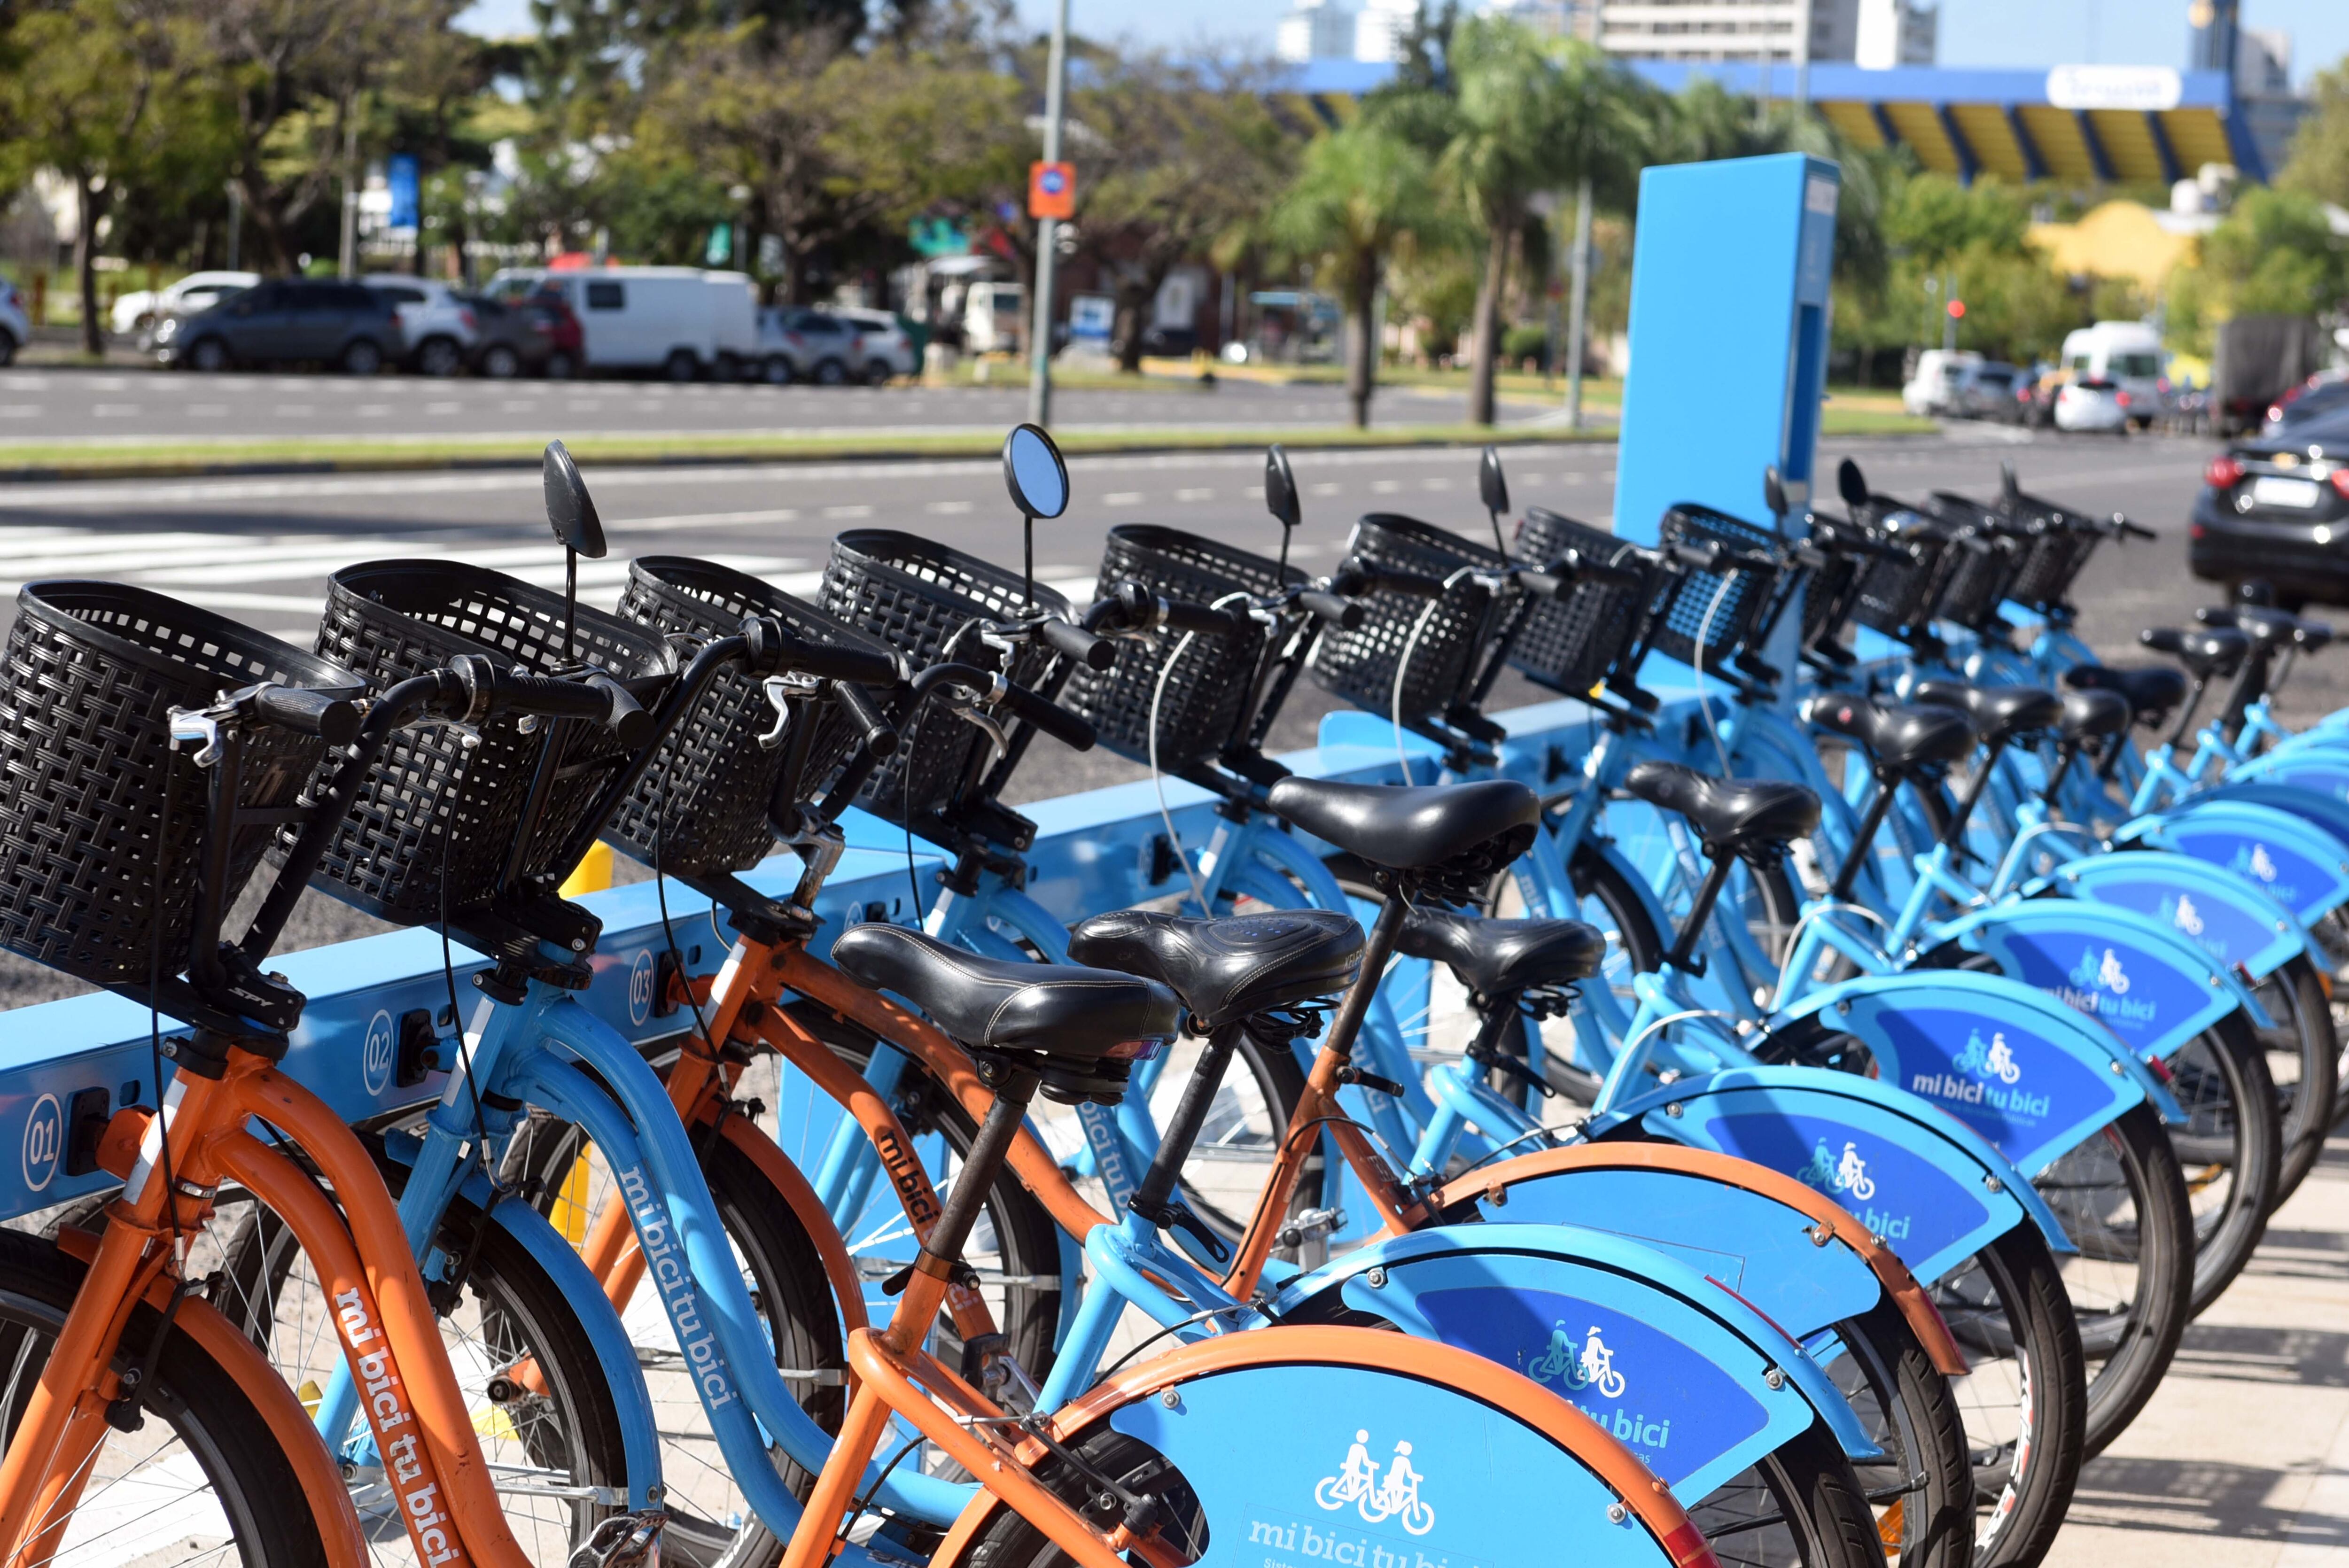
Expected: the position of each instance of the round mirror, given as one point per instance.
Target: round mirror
(1492, 484)
(1281, 488)
(1850, 484)
(1773, 491)
(1034, 473)
(570, 509)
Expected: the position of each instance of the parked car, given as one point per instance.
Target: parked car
(2319, 395)
(550, 318)
(506, 342)
(798, 344)
(2275, 509)
(1988, 389)
(281, 321)
(885, 349)
(442, 331)
(15, 322)
(1940, 380)
(2127, 353)
(197, 291)
(2092, 404)
(682, 322)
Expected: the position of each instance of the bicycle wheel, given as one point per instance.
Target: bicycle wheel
(201, 1482)
(2301, 1051)
(553, 1455)
(1922, 1490)
(2121, 1199)
(2229, 1149)
(710, 1521)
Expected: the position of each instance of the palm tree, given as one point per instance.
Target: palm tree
(1531, 116)
(1362, 193)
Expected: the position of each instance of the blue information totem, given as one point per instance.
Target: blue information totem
(1729, 337)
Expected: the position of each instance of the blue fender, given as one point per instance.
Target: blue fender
(2224, 915)
(2150, 986)
(2033, 1078)
(2292, 845)
(1694, 1400)
(548, 1248)
(2320, 770)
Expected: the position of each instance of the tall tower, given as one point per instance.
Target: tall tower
(2214, 25)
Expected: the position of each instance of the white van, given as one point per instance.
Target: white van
(1940, 385)
(683, 321)
(2127, 353)
(994, 318)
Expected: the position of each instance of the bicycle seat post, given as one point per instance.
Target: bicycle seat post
(934, 1267)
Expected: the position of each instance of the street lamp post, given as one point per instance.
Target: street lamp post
(1047, 231)
(1578, 306)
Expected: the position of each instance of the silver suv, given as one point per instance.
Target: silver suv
(439, 327)
(883, 348)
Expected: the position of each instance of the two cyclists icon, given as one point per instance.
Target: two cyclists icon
(1848, 1175)
(1377, 1498)
(1587, 1366)
(1995, 1060)
(2091, 973)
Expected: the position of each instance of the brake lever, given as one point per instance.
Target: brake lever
(779, 690)
(198, 723)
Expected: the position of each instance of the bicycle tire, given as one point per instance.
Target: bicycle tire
(2306, 1045)
(1009, 1541)
(2226, 1233)
(572, 1430)
(1907, 1405)
(191, 1397)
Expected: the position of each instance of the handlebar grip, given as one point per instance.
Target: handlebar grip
(1076, 643)
(1702, 557)
(331, 719)
(878, 736)
(1371, 580)
(1542, 584)
(1183, 615)
(1058, 722)
(1346, 615)
(851, 668)
(622, 715)
(2136, 530)
(1583, 568)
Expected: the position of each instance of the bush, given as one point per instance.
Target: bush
(1525, 341)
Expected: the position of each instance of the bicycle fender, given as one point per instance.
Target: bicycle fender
(1472, 1432)
(1942, 1192)
(2067, 1078)
(2322, 771)
(2223, 913)
(1694, 1402)
(551, 1251)
(2154, 989)
(2297, 858)
(1800, 1260)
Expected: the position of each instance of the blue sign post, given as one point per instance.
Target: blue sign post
(1729, 336)
(400, 177)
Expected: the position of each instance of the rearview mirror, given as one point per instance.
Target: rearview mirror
(2007, 485)
(1493, 485)
(1851, 485)
(570, 509)
(1773, 492)
(1281, 488)
(1038, 479)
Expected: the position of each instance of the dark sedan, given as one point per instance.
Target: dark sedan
(2275, 509)
(280, 321)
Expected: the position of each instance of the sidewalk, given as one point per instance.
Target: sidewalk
(2242, 1460)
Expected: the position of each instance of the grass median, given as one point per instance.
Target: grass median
(36, 460)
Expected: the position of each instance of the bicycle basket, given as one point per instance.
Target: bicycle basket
(1204, 694)
(1833, 591)
(1708, 613)
(1976, 583)
(707, 795)
(1573, 642)
(924, 600)
(2060, 543)
(1897, 591)
(433, 811)
(94, 877)
(1442, 636)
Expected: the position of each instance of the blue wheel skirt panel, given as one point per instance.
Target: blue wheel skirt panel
(2152, 989)
(1955, 1192)
(2220, 912)
(2031, 1076)
(1528, 1297)
(2319, 770)
(2285, 843)
(1277, 1492)
(1748, 1241)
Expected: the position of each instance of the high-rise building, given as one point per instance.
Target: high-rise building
(1875, 33)
(1315, 30)
(1381, 27)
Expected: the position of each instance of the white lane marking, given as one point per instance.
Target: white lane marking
(947, 508)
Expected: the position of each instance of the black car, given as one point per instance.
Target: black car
(281, 321)
(2275, 509)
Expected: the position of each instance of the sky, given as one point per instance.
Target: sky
(1973, 32)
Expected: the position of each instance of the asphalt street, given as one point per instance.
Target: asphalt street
(149, 405)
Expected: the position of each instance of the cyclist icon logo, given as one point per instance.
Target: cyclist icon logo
(1587, 1366)
(1993, 1060)
(2256, 861)
(2185, 916)
(1848, 1175)
(2090, 974)
(1377, 1498)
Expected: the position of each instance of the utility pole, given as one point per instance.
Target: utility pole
(1802, 59)
(348, 265)
(1578, 306)
(235, 222)
(1048, 230)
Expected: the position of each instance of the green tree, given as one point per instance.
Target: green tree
(2277, 254)
(1363, 193)
(2319, 162)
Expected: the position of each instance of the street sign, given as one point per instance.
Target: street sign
(1052, 190)
(399, 177)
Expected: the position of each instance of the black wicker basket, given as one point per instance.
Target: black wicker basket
(1980, 573)
(1717, 606)
(1572, 643)
(1833, 591)
(704, 798)
(431, 806)
(1897, 592)
(93, 876)
(2060, 542)
(1205, 692)
(1442, 635)
(923, 599)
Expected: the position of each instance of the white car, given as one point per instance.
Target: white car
(15, 326)
(882, 343)
(1939, 387)
(439, 328)
(2092, 405)
(197, 291)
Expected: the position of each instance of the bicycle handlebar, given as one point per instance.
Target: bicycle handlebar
(1130, 607)
(1038, 712)
(773, 648)
(878, 736)
(333, 720)
(1355, 578)
(1344, 613)
(1076, 643)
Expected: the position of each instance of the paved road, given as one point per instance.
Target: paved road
(144, 404)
